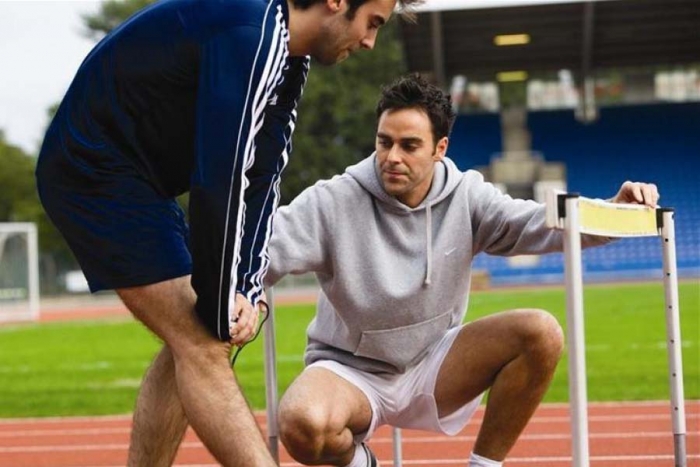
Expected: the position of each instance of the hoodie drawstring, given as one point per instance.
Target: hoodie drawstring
(429, 245)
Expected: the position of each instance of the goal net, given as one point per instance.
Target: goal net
(19, 272)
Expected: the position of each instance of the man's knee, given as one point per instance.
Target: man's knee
(303, 430)
(167, 309)
(542, 336)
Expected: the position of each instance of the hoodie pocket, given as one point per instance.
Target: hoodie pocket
(400, 346)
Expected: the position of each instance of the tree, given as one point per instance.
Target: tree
(112, 13)
(336, 121)
(19, 202)
(18, 195)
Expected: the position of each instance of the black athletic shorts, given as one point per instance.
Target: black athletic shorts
(121, 230)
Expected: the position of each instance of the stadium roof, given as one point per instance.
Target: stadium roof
(442, 5)
(458, 37)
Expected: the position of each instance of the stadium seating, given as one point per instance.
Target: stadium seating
(656, 142)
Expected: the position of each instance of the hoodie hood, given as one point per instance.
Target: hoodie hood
(446, 177)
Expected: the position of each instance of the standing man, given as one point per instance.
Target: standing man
(391, 242)
(198, 96)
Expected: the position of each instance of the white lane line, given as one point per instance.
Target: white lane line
(68, 419)
(690, 404)
(567, 459)
(526, 460)
(614, 418)
(59, 431)
(534, 437)
(83, 447)
(64, 432)
(511, 460)
(476, 420)
(378, 440)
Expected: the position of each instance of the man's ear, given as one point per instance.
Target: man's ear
(335, 5)
(441, 149)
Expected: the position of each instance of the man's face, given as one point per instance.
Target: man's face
(406, 154)
(342, 36)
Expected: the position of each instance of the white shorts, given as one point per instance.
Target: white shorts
(407, 400)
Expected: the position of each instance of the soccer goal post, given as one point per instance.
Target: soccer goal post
(19, 272)
(575, 215)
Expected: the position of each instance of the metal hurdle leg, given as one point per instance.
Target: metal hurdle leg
(673, 334)
(578, 395)
(271, 378)
(618, 221)
(396, 434)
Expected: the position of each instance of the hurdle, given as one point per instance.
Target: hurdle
(271, 402)
(575, 215)
(396, 438)
(271, 387)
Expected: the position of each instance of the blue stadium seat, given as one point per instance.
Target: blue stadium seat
(656, 142)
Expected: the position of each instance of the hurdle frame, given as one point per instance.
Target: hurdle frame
(603, 218)
(271, 377)
(396, 440)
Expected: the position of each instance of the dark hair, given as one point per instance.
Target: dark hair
(355, 4)
(414, 92)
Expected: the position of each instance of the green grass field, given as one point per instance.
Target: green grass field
(95, 367)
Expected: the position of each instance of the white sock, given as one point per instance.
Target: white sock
(360, 458)
(476, 460)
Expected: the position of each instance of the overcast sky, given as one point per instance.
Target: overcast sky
(41, 47)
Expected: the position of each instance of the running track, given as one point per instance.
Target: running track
(622, 435)
(627, 434)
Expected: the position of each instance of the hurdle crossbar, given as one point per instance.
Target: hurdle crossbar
(576, 215)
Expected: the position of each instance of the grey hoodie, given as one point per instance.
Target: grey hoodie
(394, 279)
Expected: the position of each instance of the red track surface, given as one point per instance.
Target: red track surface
(621, 434)
(111, 307)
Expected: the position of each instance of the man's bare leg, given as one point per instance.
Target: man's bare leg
(515, 354)
(210, 396)
(159, 419)
(319, 415)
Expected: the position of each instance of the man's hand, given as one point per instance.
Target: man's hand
(243, 329)
(637, 193)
